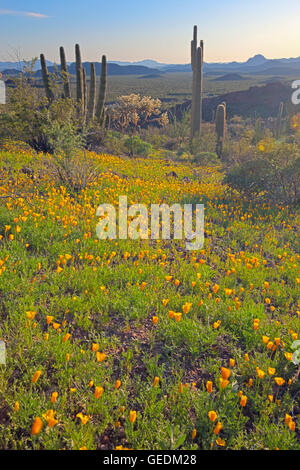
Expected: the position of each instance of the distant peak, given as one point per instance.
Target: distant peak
(257, 59)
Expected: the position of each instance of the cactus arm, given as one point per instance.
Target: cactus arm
(102, 91)
(46, 78)
(92, 93)
(79, 80)
(84, 79)
(197, 54)
(220, 128)
(64, 72)
(198, 87)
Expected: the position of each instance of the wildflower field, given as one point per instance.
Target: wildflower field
(142, 344)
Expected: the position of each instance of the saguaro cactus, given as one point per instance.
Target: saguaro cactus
(85, 102)
(220, 128)
(197, 54)
(193, 64)
(278, 126)
(201, 84)
(46, 78)
(64, 71)
(79, 80)
(102, 91)
(92, 93)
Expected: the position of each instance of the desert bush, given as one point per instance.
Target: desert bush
(179, 129)
(274, 170)
(237, 151)
(114, 142)
(206, 159)
(94, 136)
(53, 128)
(28, 115)
(242, 139)
(21, 118)
(295, 123)
(155, 136)
(74, 171)
(72, 164)
(179, 137)
(63, 138)
(206, 142)
(135, 146)
(133, 112)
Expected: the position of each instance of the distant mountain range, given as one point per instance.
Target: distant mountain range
(257, 65)
(112, 69)
(20, 65)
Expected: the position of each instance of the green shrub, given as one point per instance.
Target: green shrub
(28, 116)
(249, 177)
(261, 175)
(114, 143)
(206, 159)
(137, 147)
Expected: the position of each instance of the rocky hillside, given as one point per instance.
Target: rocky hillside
(257, 100)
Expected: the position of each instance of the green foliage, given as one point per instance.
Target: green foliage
(114, 142)
(275, 173)
(63, 138)
(107, 293)
(27, 116)
(206, 159)
(136, 147)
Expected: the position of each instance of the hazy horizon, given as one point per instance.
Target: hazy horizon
(56, 60)
(160, 31)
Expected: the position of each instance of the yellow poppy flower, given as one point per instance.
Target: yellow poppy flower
(36, 376)
(37, 426)
(212, 416)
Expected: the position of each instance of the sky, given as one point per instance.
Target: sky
(133, 30)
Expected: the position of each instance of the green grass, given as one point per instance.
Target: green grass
(98, 297)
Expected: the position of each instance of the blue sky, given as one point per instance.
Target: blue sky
(156, 29)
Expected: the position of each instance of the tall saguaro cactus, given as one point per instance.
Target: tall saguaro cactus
(102, 91)
(197, 54)
(85, 102)
(64, 71)
(92, 93)
(201, 82)
(193, 62)
(79, 79)
(86, 99)
(46, 78)
(220, 128)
